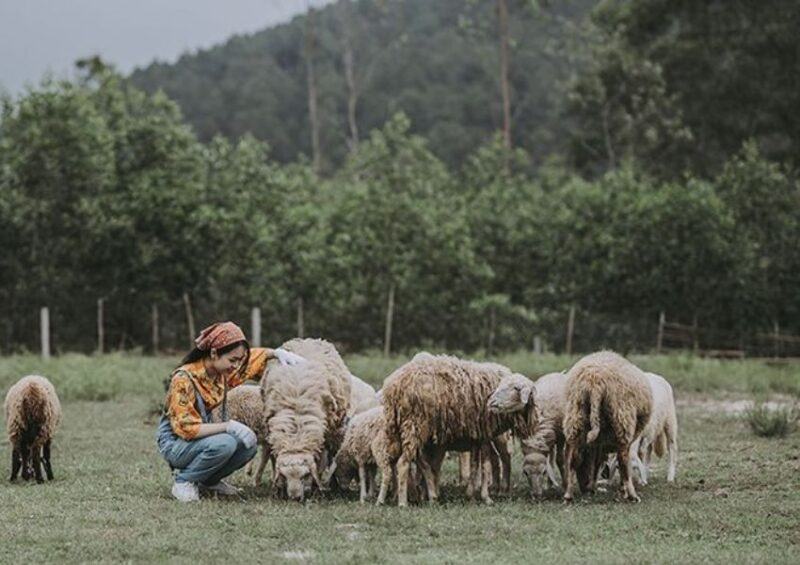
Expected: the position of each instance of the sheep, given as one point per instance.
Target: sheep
(660, 434)
(362, 396)
(362, 453)
(33, 414)
(515, 394)
(305, 407)
(245, 405)
(435, 403)
(608, 394)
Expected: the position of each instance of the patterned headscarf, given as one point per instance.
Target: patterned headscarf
(217, 336)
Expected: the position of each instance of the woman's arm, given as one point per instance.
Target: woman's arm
(205, 430)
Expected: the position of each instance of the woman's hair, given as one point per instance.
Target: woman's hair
(196, 354)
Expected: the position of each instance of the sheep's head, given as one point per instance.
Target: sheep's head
(514, 393)
(297, 472)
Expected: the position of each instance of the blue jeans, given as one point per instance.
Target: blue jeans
(207, 460)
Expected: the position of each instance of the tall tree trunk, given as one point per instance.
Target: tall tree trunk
(313, 110)
(387, 337)
(187, 303)
(347, 27)
(100, 326)
(505, 88)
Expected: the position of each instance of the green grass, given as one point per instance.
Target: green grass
(771, 421)
(737, 498)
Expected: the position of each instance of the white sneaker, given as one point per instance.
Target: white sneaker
(222, 488)
(185, 492)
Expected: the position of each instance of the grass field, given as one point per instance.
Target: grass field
(737, 498)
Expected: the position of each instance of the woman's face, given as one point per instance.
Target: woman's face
(229, 362)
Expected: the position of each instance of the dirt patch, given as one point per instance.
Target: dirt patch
(731, 407)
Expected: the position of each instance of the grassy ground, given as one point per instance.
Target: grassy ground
(737, 498)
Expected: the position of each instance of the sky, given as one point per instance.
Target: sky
(47, 36)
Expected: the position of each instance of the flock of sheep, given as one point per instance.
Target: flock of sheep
(322, 427)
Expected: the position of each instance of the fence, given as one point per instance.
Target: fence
(169, 327)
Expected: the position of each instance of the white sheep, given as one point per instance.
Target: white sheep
(362, 396)
(33, 414)
(516, 394)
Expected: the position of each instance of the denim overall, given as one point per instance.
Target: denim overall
(205, 460)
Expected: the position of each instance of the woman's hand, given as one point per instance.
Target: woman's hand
(287, 357)
(242, 433)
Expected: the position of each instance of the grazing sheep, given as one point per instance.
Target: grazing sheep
(305, 407)
(438, 403)
(515, 394)
(362, 396)
(362, 453)
(659, 436)
(244, 404)
(33, 414)
(611, 397)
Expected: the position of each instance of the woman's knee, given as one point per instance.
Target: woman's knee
(224, 445)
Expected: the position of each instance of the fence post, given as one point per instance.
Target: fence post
(662, 319)
(570, 329)
(44, 322)
(301, 321)
(189, 318)
(154, 321)
(537, 345)
(696, 335)
(100, 329)
(777, 347)
(255, 325)
(387, 336)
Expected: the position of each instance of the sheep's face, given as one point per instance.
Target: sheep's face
(512, 394)
(296, 471)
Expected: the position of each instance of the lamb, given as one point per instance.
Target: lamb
(33, 414)
(362, 396)
(362, 453)
(305, 407)
(612, 396)
(244, 404)
(515, 394)
(437, 403)
(660, 434)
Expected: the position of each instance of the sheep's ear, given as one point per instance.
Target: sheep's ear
(527, 394)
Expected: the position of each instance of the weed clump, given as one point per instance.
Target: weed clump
(770, 420)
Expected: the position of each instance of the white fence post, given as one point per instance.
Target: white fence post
(44, 322)
(255, 324)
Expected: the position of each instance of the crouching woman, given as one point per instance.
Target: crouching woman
(202, 453)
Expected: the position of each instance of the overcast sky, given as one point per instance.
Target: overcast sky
(39, 36)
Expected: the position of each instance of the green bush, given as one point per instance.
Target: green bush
(768, 420)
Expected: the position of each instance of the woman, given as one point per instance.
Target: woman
(203, 453)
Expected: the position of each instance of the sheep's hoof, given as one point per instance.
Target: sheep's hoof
(568, 499)
(488, 500)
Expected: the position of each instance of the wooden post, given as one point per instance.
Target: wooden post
(696, 334)
(44, 322)
(255, 326)
(662, 319)
(100, 329)
(387, 336)
(537, 345)
(570, 329)
(189, 318)
(301, 322)
(492, 323)
(155, 329)
(777, 347)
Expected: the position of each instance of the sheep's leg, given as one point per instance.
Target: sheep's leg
(16, 463)
(436, 459)
(37, 465)
(362, 483)
(672, 447)
(386, 481)
(371, 482)
(568, 477)
(494, 462)
(262, 464)
(626, 478)
(403, 465)
(501, 445)
(25, 454)
(486, 475)
(474, 468)
(550, 469)
(464, 468)
(48, 469)
(430, 478)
